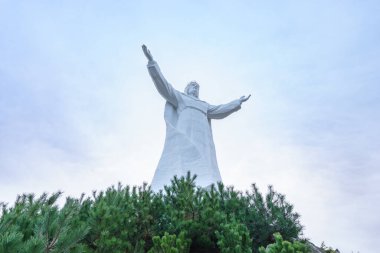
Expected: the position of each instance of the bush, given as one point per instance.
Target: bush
(40, 226)
(281, 246)
(125, 219)
(170, 244)
(234, 238)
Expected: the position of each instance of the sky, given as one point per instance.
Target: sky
(79, 112)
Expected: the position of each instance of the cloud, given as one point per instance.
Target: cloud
(78, 111)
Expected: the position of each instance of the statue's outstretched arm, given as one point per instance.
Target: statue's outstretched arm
(147, 53)
(164, 87)
(222, 111)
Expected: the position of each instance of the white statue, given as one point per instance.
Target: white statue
(189, 145)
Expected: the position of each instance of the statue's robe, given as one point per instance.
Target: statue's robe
(189, 144)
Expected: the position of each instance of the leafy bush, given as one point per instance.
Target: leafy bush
(40, 226)
(234, 237)
(281, 246)
(125, 219)
(170, 244)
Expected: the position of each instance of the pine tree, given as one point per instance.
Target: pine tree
(135, 219)
(40, 226)
(283, 246)
(234, 237)
(170, 244)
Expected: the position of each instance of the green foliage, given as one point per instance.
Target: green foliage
(282, 246)
(234, 238)
(121, 219)
(328, 249)
(38, 225)
(270, 215)
(133, 220)
(170, 244)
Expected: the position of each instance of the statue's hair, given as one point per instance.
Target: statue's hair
(192, 83)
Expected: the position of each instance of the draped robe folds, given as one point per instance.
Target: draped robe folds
(189, 144)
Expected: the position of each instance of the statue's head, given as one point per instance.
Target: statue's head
(192, 89)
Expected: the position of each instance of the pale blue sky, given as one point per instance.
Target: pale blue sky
(79, 112)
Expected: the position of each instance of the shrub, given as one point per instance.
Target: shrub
(170, 244)
(125, 219)
(40, 226)
(282, 246)
(234, 238)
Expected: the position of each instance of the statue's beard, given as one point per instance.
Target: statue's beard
(194, 94)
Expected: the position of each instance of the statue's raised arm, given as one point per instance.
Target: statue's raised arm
(147, 53)
(164, 87)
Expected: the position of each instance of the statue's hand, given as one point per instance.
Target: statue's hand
(147, 53)
(244, 98)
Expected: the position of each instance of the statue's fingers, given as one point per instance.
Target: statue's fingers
(244, 98)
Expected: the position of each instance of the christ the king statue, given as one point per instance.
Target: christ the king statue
(189, 144)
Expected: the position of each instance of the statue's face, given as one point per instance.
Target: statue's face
(193, 90)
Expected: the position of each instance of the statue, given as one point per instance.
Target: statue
(189, 144)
